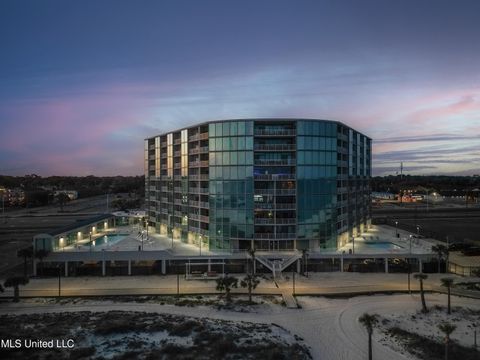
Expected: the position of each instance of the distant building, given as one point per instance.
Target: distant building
(271, 184)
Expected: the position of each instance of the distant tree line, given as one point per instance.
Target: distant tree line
(441, 184)
(39, 190)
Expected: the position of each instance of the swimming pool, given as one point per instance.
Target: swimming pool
(107, 240)
(376, 245)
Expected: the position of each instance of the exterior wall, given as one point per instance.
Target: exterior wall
(275, 184)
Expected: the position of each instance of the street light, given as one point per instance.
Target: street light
(396, 229)
(353, 244)
(200, 245)
(90, 236)
(418, 231)
(410, 243)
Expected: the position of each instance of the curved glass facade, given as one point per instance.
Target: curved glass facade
(272, 184)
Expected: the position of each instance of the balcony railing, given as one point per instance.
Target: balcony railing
(275, 147)
(275, 132)
(198, 190)
(204, 204)
(204, 136)
(193, 137)
(275, 236)
(194, 203)
(275, 176)
(277, 192)
(194, 150)
(275, 162)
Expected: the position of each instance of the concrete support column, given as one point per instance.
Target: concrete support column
(209, 265)
(66, 268)
(103, 268)
(34, 267)
(341, 264)
(386, 265)
(164, 267)
(129, 267)
(298, 267)
(255, 266)
(420, 265)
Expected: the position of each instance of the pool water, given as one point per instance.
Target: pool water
(377, 245)
(107, 239)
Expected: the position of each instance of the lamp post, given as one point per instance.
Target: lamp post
(418, 231)
(59, 280)
(200, 245)
(410, 243)
(353, 244)
(90, 242)
(293, 279)
(396, 229)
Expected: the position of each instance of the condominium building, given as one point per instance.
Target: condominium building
(271, 184)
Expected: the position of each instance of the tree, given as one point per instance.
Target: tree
(447, 282)
(447, 329)
(226, 284)
(369, 322)
(420, 277)
(250, 282)
(62, 200)
(440, 250)
(26, 253)
(251, 252)
(40, 255)
(15, 282)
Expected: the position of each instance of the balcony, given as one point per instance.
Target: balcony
(198, 190)
(194, 137)
(176, 153)
(177, 141)
(193, 151)
(204, 205)
(274, 176)
(177, 189)
(203, 136)
(204, 149)
(273, 162)
(204, 163)
(290, 236)
(194, 203)
(275, 147)
(275, 132)
(278, 192)
(194, 164)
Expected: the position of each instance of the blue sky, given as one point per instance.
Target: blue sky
(83, 82)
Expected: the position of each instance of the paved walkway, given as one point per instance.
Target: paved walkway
(315, 284)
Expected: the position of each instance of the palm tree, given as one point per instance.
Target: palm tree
(40, 255)
(250, 282)
(62, 200)
(440, 250)
(447, 282)
(15, 282)
(226, 284)
(369, 322)
(251, 252)
(420, 277)
(447, 329)
(26, 253)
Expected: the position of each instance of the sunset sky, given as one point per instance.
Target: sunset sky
(82, 83)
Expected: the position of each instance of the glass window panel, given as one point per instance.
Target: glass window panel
(226, 144)
(233, 158)
(249, 143)
(233, 128)
(241, 128)
(241, 157)
(241, 143)
(226, 129)
(218, 129)
(211, 130)
(249, 128)
(249, 158)
(226, 158)
(211, 144)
